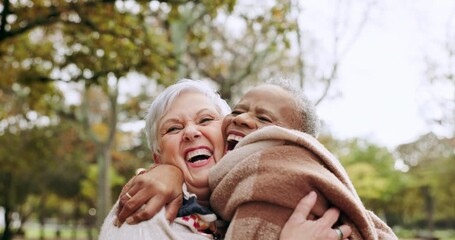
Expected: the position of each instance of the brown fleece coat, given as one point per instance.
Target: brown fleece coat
(258, 185)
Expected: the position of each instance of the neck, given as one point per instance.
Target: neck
(203, 194)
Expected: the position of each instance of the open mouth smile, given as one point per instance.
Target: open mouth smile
(232, 140)
(198, 155)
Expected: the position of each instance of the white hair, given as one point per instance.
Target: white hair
(308, 118)
(161, 104)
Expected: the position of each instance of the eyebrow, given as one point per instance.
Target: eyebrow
(266, 112)
(260, 110)
(176, 120)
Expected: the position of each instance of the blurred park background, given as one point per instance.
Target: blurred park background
(76, 77)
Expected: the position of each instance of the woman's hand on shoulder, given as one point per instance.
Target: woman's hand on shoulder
(145, 194)
(301, 226)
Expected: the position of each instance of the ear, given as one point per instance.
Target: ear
(156, 158)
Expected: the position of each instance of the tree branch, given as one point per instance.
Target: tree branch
(45, 20)
(48, 19)
(329, 81)
(5, 14)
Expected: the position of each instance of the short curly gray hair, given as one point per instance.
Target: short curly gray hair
(308, 119)
(161, 103)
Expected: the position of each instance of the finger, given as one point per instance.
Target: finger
(335, 234)
(124, 190)
(124, 199)
(346, 230)
(132, 205)
(303, 208)
(147, 211)
(311, 217)
(132, 187)
(173, 207)
(329, 218)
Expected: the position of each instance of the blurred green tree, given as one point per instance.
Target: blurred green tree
(430, 193)
(31, 165)
(372, 171)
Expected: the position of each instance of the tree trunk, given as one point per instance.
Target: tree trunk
(103, 151)
(41, 217)
(429, 207)
(7, 234)
(104, 201)
(178, 31)
(77, 216)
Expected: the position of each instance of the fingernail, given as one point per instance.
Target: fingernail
(117, 223)
(130, 220)
(312, 195)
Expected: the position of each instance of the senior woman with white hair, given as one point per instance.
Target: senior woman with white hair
(183, 129)
(183, 122)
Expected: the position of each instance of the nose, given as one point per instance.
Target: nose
(244, 120)
(191, 133)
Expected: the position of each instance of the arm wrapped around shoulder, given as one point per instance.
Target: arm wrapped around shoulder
(258, 185)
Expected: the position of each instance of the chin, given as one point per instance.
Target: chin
(199, 180)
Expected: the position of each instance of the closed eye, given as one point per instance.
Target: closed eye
(206, 120)
(236, 112)
(173, 129)
(264, 119)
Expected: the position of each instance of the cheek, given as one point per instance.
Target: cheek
(226, 122)
(260, 125)
(218, 143)
(168, 150)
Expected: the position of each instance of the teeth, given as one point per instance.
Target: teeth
(234, 137)
(232, 140)
(198, 152)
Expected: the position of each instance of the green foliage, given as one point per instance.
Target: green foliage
(371, 169)
(89, 184)
(430, 190)
(39, 161)
(419, 195)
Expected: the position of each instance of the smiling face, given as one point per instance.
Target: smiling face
(189, 137)
(262, 106)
